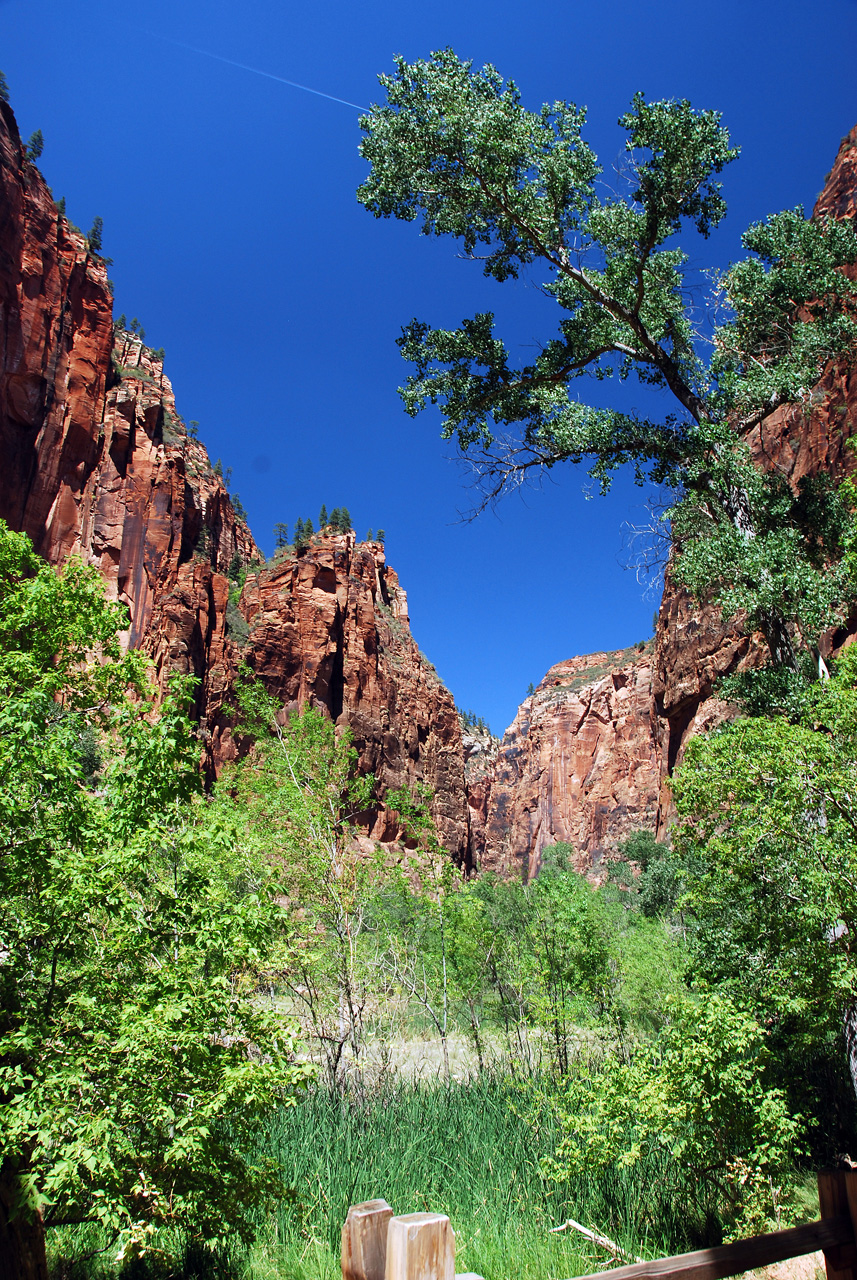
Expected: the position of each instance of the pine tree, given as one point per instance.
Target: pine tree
(308, 528)
(323, 520)
(368, 535)
(218, 468)
(281, 535)
(193, 429)
(335, 519)
(35, 146)
(61, 205)
(135, 325)
(381, 536)
(345, 520)
(122, 322)
(142, 335)
(4, 88)
(95, 234)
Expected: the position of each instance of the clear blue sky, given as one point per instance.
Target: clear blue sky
(229, 210)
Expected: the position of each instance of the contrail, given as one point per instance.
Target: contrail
(293, 84)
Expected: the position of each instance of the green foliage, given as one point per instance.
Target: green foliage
(94, 238)
(470, 720)
(281, 536)
(121, 323)
(135, 1062)
(193, 429)
(495, 1191)
(35, 146)
(454, 148)
(322, 517)
(767, 834)
(297, 799)
(699, 1091)
(566, 956)
(218, 468)
(381, 536)
(655, 889)
(135, 325)
(60, 206)
(4, 88)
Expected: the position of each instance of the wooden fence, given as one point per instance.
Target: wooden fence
(378, 1245)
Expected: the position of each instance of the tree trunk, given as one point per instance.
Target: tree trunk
(849, 1025)
(22, 1235)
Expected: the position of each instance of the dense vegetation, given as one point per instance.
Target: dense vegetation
(164, 951)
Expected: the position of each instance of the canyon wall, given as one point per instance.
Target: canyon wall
(579, 764)
(589, 756)
(98, 463)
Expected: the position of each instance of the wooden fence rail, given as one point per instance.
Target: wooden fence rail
(378, 1245)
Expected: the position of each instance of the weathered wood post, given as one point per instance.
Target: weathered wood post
(420, 1246)
(837, 1197)
(364, 1240)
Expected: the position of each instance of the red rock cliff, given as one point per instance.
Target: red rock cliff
(98, 463)
(588, 763)
(580, 765)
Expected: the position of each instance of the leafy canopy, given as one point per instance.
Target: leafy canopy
(135, 1063)
(454, 148)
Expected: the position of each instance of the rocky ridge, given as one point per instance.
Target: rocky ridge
(589, 763)
(580, 764)
(98, 463)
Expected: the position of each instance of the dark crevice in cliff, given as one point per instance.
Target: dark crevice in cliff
(337, 674)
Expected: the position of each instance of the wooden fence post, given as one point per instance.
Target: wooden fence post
(420, 1246)
(837, 1197)
(364, 1241)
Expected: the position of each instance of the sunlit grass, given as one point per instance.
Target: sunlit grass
(472, 1150)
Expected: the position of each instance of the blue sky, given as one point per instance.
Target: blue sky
(229, 210)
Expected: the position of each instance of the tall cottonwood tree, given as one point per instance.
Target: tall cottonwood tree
(454, 148)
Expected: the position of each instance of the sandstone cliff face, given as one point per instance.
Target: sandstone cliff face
(694, 647)
(589, 765)
(330, 625)
(580, 764)
(98, 463)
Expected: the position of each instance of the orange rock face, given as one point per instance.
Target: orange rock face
(98, 463)
(330, 625)
(580, 764)
(590, 763)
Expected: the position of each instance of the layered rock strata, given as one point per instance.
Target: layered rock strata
(594, 763)
(98, 463)
(579, 765)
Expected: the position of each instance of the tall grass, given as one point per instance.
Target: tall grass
(467, 1150)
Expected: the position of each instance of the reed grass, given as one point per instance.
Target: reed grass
(465, 1149)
